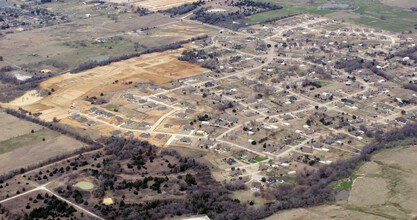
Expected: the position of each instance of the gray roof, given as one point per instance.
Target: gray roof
(188, 128)
(93, 109)
(145, 135)
(160, 136)
(189, 111)
(185, 139)
(81, 120)
(163, 108)
(115, 132)
(91, 123)
(144, 124)
(128, 133)
(75, 116)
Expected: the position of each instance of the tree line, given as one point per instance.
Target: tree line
(183, 9)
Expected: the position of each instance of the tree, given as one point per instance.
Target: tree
(190, 180)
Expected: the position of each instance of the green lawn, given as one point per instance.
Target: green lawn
(27, 139)
(288, 179)
(258, 159)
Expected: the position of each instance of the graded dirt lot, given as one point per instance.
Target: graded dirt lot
(155, 5)
(385, 189)
(157, 68)
(12, 127)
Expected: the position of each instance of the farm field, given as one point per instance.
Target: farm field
(385, 15)
(383, 189)
(13, 127)
(31, 148)
(58, 43)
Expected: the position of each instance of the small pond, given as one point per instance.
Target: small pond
(84, 185)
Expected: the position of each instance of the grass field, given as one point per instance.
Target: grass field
(13, 127)
(383, 188)
(82, 50)
(27, 139)
(368, 12)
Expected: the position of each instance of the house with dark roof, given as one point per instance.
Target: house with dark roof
(329, 141)
(188, 128)
(115, 132)
(81, 120)
(93, 109)
(263, 167)
(128, 133)
(142, 101)
(160, 136)
(232, 119)
(91, 123)
(75, 117)
(271, 181)
(235, 173)
(317, 145)
(151, 105)
(172, 99)
(287, 117)
(162, 108)
(180, 115)
(189, 111)
(231, 161)
(162, 96)
(284, 160)
(401, 119)
(185, 140)
(144, 135)
(209, 84)
(144, 124)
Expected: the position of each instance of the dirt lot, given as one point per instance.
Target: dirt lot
(385, 189)
(13, 127)
(155, 5)
(157, 68)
